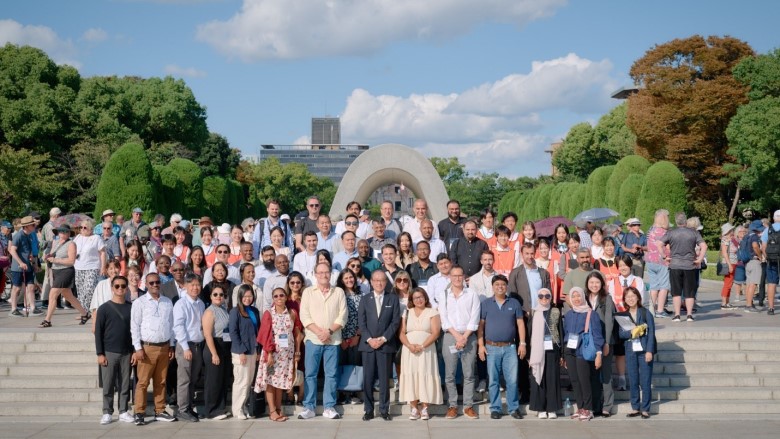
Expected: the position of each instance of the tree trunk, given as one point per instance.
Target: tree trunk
(734, 205)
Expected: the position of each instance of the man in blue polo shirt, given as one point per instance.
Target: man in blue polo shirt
(500, 322)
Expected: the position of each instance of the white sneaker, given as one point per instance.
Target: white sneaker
(221, 417)
(126, 417)
(105, 419)
(542, 415)
(306, 414)
(552, 415)
(330, 413)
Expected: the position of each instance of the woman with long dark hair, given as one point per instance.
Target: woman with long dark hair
(243, 325)
(601, 302)
(640, 347)
(216, 356)
(219, 272)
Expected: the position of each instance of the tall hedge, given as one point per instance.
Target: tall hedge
(127, 182)
(597, 187)
(215, 198)
(664, 188)
(576, 199)
(240, 211)
(628, 196)
(631, 164)
(191, 180)
(170, 189)
(543, 202)
(557, 194)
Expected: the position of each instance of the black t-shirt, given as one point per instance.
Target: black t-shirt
(112, 328)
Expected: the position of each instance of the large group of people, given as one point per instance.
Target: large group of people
(397, 303)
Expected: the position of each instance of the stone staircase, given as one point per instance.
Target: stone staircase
(698, 371)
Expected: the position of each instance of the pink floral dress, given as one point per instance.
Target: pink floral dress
(283, 373)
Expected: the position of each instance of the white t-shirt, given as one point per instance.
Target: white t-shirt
(88, 250)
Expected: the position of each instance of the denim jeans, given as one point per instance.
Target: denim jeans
(502, 361)
(314, 355)
(640, 374)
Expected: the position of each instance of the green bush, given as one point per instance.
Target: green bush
(127, 182)
(576, 199)
(629, 195)
(170, 190)
(664, 188)
(632, 164)
(191, 195)
(241, 210)
(557, 194)
(543, 202)
(597, 187)
(215, 198)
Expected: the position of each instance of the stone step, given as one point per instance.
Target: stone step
(61, 346)
(51, 409)
(660, 368)
(21, 382)
(699, 381)
(73, 358)
(717, 346)
(48, 370)
(71, 337)
(717, 357)
(748, 334)
(46, 395)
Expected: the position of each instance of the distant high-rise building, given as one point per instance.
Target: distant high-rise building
(325, 131)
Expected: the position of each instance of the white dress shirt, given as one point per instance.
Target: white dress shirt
(151, 320)
(412, 226)
(437, 286)
(461, 313)
(272, 282)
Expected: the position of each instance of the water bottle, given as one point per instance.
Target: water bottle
(567, 408)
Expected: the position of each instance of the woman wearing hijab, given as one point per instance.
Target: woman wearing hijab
(583, 373)
(545, 362)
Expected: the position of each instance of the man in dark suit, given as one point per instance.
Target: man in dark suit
(524, 283)
(379, 317)
(176, 289)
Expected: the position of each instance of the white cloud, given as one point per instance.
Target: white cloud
(303, 140)
(502, 126)
(305, 28)
(184, 72)
(94, 35)
(60, 50)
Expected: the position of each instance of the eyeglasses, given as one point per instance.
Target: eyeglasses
(222, 252)
(545, 296)
(314, 205)
(418, 298)
(84, 228)
(120, 286)
(153, 282)
(404, 280)
(106, 228)
(354, 266)
(294, 282)
(217, 295)
(351, 223)
(279, 296)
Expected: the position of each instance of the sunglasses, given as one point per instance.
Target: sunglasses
(153, 282)
(404, 280)
(223, 252)
(545, 296)
(279, 296)
(120, 286)
(217, 295)
(351, 223)
(295, 282)
(314, 205)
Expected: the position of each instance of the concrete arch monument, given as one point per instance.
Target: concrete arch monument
(392, 163)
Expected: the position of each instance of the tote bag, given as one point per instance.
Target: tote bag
(351, 379)
(588, 347)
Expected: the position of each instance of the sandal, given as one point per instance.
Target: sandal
(85, 318)
(45, 324)
(276, 417)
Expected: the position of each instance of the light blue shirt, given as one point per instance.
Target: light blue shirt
(340, 260)
(187, 315)
(534, 283)
(765, 233)
(325, 243)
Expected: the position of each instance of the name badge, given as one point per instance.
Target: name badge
(574, 339)
(548, 343)
(282, 341)
(636, 345)
(422, 283)
(454, 350)
(226, 336)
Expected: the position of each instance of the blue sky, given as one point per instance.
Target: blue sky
(492, 82)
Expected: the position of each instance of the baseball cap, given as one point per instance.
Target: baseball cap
(138, 210)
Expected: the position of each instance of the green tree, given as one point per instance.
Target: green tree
(686, 99)
(574, 158)
(290, 183)
(128, 182)
(754, 132)
(27, 181)
(632, 164)
(188, 173)
(170, 188)
(449, 169)
(611, 136)
(628, 196)
(664, 188)
(217, 157)
(597, 187)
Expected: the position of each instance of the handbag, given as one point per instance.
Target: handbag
(298, 381)
(351, 379)
(723, 269)
(588, 347)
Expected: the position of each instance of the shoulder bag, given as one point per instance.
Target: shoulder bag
(588, 347)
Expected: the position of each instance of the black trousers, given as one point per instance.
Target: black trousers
(217, 378)
(584, 380)
(376, 365)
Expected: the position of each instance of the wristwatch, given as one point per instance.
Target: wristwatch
(330, 331)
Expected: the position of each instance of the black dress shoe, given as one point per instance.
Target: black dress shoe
(605, 414)
(386, 416)
(495, 415)
(516, 414)
(367, 416)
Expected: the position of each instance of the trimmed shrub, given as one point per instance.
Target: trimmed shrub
(664, 188)
(127, 182)
(597, 187)
(170, 189)
(632, 164)
(557, 194)
(215, 198)
(256, 205)
(191, 195)
(576, 199)
(543, 202)
(629, 195)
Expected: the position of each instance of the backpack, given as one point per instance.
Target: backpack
(745, 251)
(773, 245)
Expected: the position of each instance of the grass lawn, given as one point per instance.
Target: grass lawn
(712, 262)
